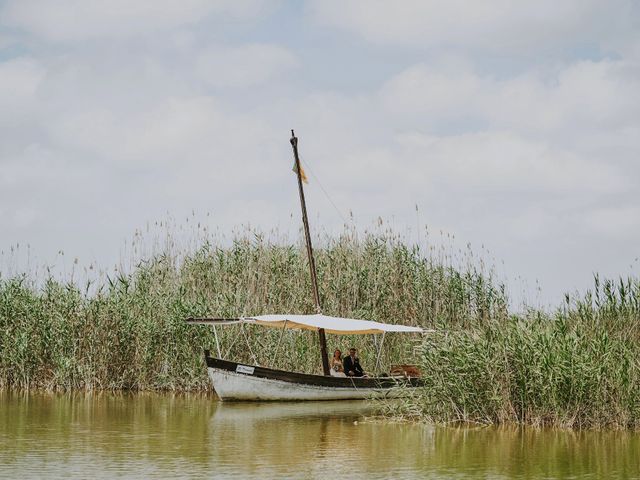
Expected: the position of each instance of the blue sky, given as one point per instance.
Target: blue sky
(513, 126)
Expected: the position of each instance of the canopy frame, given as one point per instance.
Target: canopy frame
(215, 335)
(379, 350)
(333, 325)
(275, 352)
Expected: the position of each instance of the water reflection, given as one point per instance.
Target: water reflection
(314, 439)
(153, 436)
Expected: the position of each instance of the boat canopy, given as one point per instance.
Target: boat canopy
(335, 325)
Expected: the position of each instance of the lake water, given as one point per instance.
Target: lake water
(193, 436)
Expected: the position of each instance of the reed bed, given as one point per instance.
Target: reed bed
(128, 332)
(578, 367)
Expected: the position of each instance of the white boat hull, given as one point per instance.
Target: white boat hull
(239, 386)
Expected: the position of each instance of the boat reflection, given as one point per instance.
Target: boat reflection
(312, 438)
(241, 413)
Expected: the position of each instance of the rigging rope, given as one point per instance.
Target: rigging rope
(326, 194)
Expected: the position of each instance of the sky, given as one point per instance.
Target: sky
(510, 126)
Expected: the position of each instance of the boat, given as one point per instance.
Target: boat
(233, 381)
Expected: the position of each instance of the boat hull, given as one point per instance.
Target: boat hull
(239, 382)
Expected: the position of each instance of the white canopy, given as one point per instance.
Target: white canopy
(335, 325)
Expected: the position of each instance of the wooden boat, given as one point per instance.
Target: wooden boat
(237, 381)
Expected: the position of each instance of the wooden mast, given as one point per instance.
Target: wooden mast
(312, 263)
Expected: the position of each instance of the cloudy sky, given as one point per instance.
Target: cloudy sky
(514, 126)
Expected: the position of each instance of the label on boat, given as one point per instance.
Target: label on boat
(244, 369)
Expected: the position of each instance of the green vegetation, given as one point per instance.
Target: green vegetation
(578, 367)
(130, 332)
(575, 367)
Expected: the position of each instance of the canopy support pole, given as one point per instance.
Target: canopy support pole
(379, 352)
(312, 264)
(233, 344)
(246, 339)
(215, 335)
(275, 352)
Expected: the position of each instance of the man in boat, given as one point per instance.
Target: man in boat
(352, 364)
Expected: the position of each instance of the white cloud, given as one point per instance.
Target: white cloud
(19, 81)
(495, 162)
(496, 25)
(180, 133)
(534, 223)
(583, 95)
(436, 94)
(242, 66)
(7, 41)
(72, 20)
(620, 222)
(24, 217)
(103, 132)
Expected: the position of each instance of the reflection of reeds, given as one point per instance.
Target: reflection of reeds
(130, 334)
(578, 367)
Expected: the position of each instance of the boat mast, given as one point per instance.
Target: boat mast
(312, 263)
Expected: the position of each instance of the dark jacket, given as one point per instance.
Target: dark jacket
(352, 366)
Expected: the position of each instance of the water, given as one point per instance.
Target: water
(159, 436)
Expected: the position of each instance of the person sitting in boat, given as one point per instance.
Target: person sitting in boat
(336, 364)
(351, 364)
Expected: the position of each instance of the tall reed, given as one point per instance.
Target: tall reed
(129, 332)
(578, 367)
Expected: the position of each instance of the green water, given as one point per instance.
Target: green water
(160, 436)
